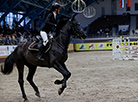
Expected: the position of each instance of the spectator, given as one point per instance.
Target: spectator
(22, 39)
(120, 32)
(15, 36)
(34, 38)
(7, 40)
(133, 31)
(2, 39)
(14, 39)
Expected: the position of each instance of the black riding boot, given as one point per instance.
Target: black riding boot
(41, 52)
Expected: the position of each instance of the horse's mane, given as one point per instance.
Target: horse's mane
(61, 23)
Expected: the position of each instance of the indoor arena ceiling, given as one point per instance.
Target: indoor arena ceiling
(35, 9)
(34, 5)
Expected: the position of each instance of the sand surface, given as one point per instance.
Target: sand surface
(95, 78)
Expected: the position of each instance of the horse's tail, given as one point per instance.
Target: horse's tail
(8, 65)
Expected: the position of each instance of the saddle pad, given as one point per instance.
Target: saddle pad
(34, 46)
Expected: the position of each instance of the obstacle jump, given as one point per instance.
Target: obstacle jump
(124, 49)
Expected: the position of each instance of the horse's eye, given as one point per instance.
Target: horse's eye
(78, 24)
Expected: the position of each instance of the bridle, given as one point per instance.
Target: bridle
(73, 27)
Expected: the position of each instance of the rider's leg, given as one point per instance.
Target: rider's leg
(44, 37)
(42, 47)
(40, 53)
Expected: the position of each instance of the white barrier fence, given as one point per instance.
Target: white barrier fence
(7, 49)
(124, 50)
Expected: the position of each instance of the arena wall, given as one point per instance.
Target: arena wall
(103, 8)
(5, 50)
(98, 44)
(94, 44)
(107, 7)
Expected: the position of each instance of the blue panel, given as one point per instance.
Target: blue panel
(90, 2)
(96, 1)
(39, 11)
(40, 24)
(8, 10)
(67, 7)
(25, 15)
(3, 3)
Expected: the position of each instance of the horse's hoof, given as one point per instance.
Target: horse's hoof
(38, 95)
(57, 82)
(60, 91)
(26, 100)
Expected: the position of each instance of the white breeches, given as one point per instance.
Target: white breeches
(44, 37)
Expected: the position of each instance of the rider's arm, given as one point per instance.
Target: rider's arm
(48, 20)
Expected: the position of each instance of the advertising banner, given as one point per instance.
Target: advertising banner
(99, 46)
(6, 50)
(93, 46)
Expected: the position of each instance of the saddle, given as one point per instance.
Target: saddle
(34, 46)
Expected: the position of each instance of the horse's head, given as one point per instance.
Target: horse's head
(76, 29)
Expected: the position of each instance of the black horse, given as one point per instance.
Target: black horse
(55, 57)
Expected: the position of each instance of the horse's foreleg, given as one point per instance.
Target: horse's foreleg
(20, 68)
(66, 74)
(58, 82)
(32, 70)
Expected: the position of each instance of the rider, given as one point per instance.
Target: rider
(47, 28)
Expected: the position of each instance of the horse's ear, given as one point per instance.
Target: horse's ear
(73, 17)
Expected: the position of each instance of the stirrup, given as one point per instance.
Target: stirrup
(40, 58)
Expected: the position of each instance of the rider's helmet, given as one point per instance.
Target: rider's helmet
(56, 6)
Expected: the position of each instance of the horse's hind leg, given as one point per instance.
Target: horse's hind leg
(32, 70)
(20, 67)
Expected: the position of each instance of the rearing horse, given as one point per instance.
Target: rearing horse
(55, 57)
